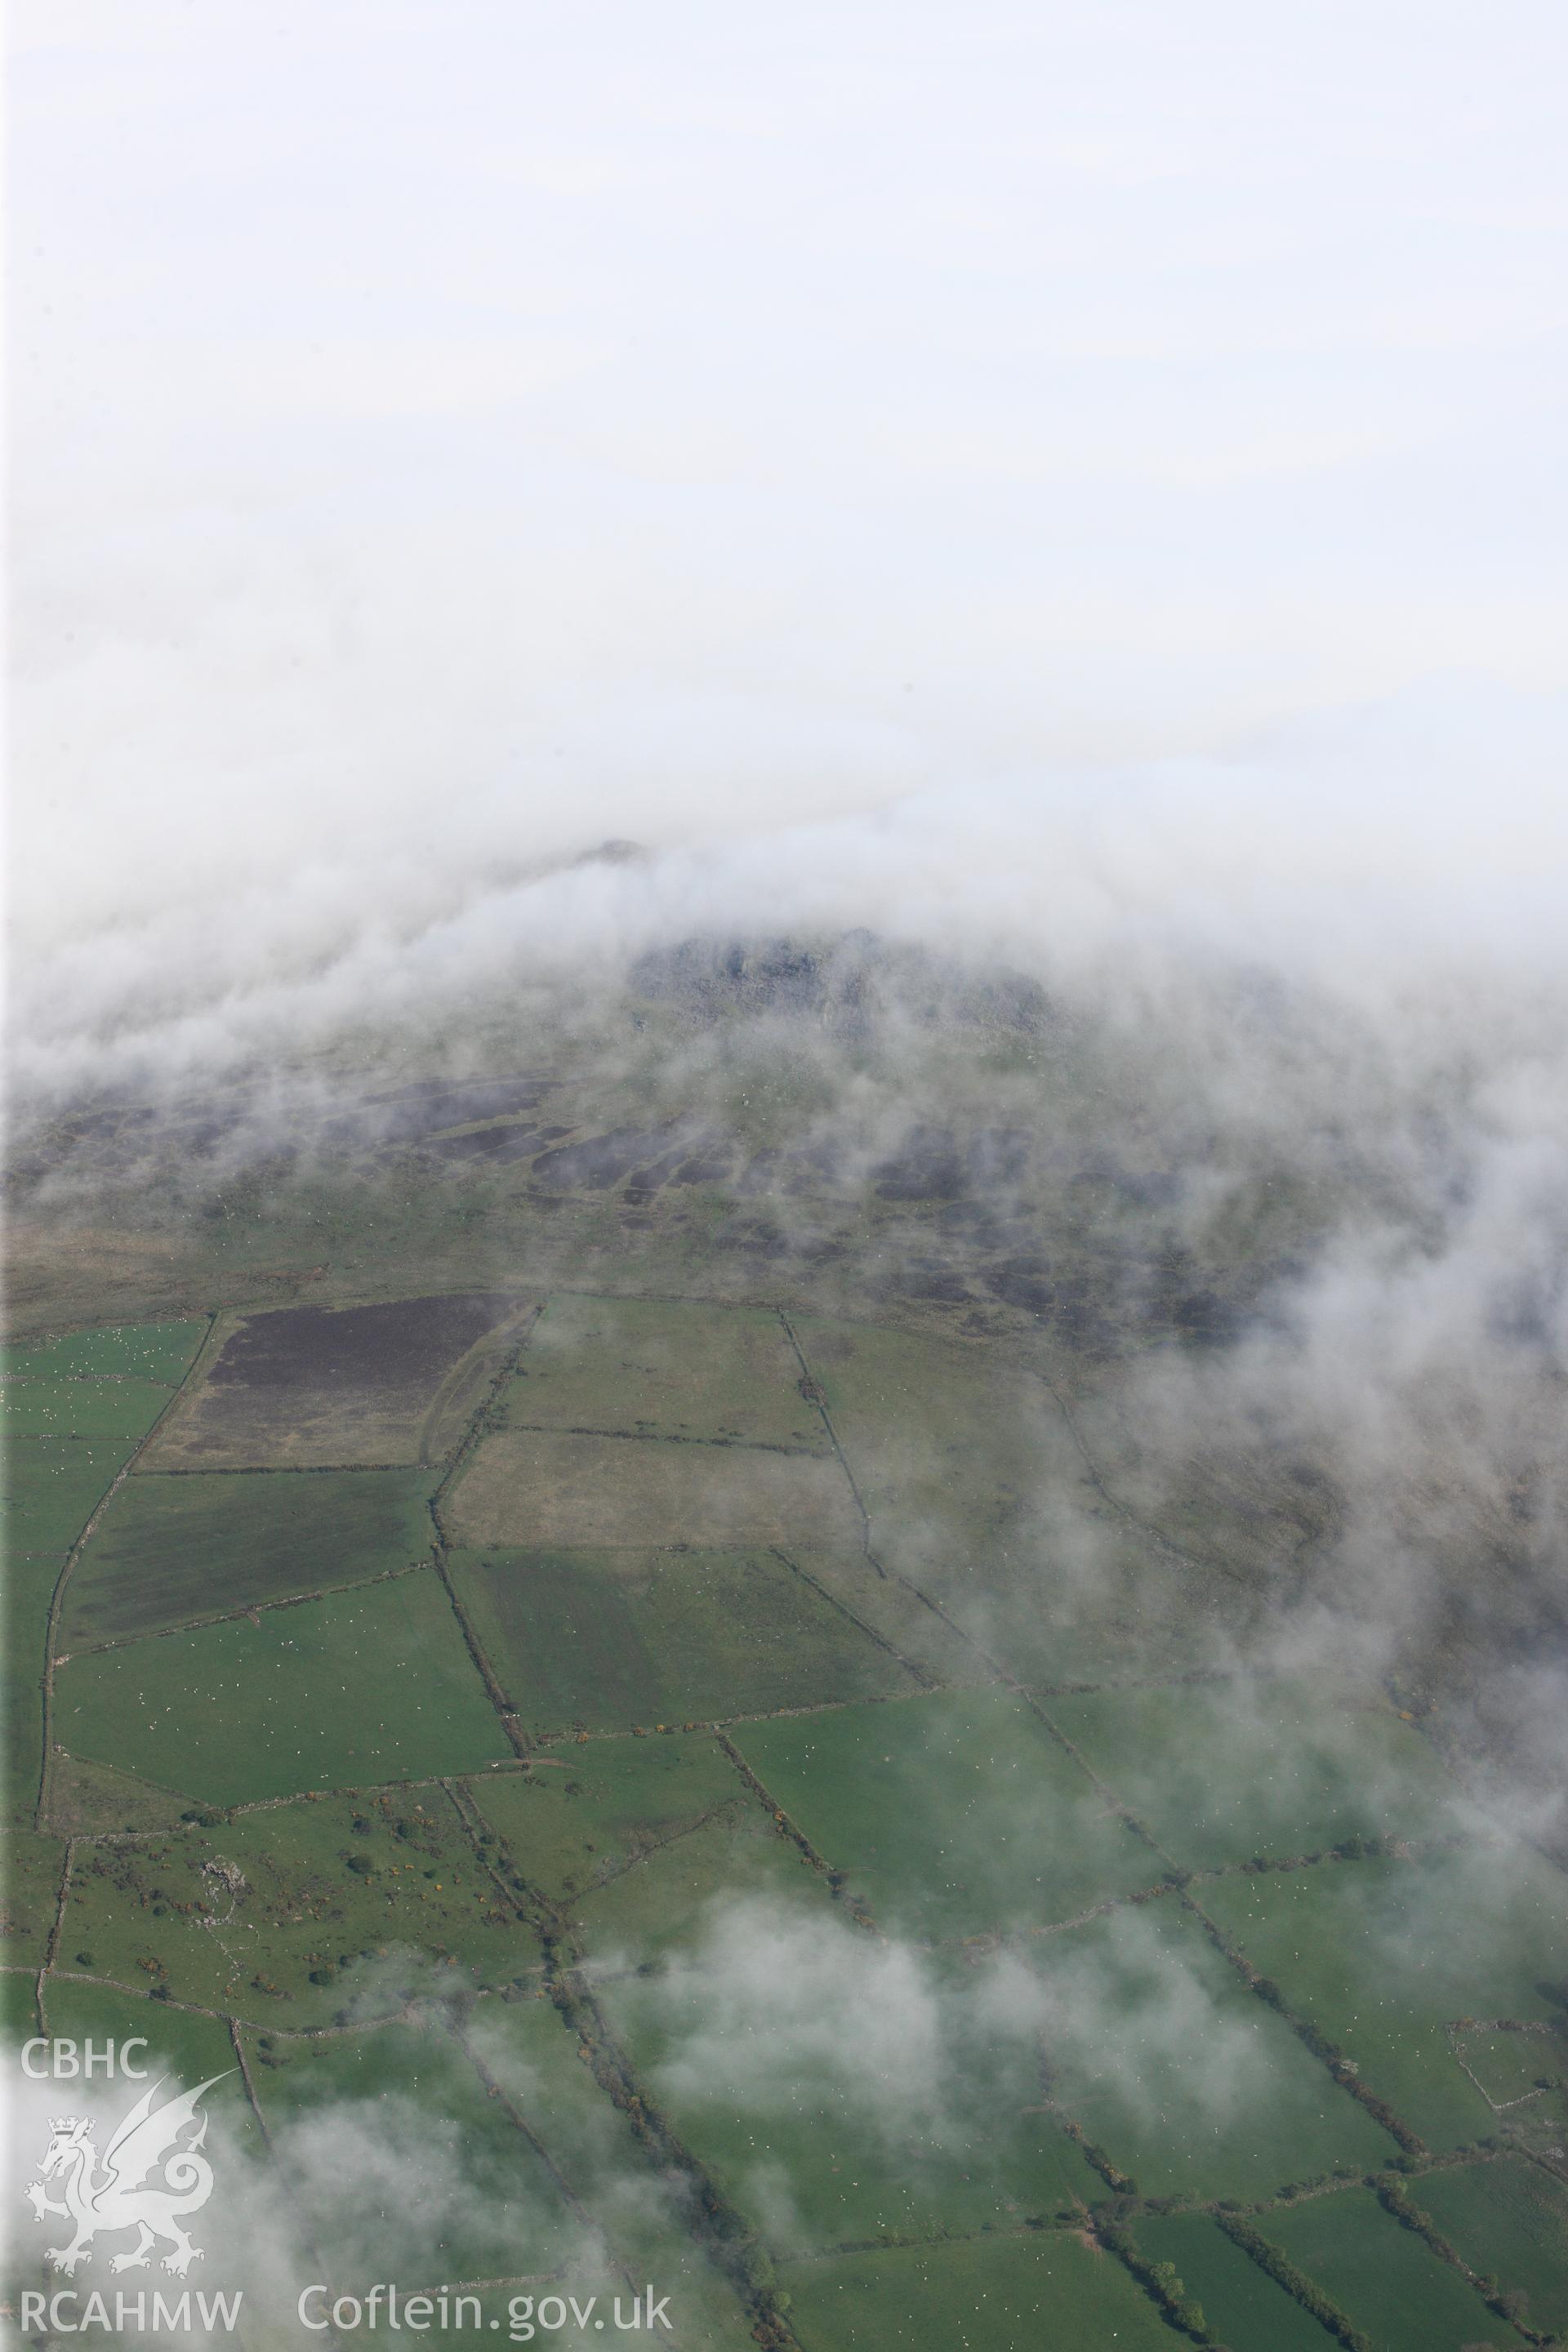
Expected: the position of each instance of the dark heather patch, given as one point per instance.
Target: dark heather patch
(602, 1160)
(926, 1166)
(406, 1343)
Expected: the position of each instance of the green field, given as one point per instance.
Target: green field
(33, 1866)
(584, 1814)
(1222, 1771)
(926, 2131)
(19, 2013)
(1183, 2076)
(52, 1485)
(30, 1581)
(1389, 2283)
(525, 2047)
(1241, 2304)
(182, 2051)
(163, 1352)
(664, 1369)
(884, 1960)
(613, 1639)
(79, 1408)
(962, 1463)
(1381, 1956)
(464, 2194)
(976, 1488)
(175, 1547)
(952, 1814)
(289, 1915)
(359, 1687)
(194, 2048)
(1509, 2221)
(1006, 2294)
(670, 1902)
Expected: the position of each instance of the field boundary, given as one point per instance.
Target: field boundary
(478, 1420)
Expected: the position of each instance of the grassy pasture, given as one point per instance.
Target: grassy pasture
(1381, 2274)
(669, 1900)
(182, 2051)
(965, 1465)
(975, 1488)
(407, 2169)
(538, 1490)
(359, 1687)
(87, 1798)
(952, 1814)
(1524, 2072)
(30, 1581)
(1030, 2294)
(584, 1814)
(112, 1410)
(616, 1638)
(895, 1613)
(1222, 1771)
(19, 2016)
(1241, 2304)
(33, 1865)
(52, 1487)
(342, 1890)
(526, 2048)
(302, 1387)
(1186, 2079)
(815, 2153)
(170, 1549)
(192, 2048)
(163, 1352)
(664, 1369)
(1509, 2222)
(1383, 1956)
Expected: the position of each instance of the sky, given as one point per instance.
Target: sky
(444, 433)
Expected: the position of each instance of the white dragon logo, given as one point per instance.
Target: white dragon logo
(124, 2197)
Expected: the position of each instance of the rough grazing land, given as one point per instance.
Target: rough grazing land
(545, 1489)
(664, 1370)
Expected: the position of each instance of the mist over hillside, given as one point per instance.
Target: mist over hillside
(786, 1168)
(1261, 1146)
